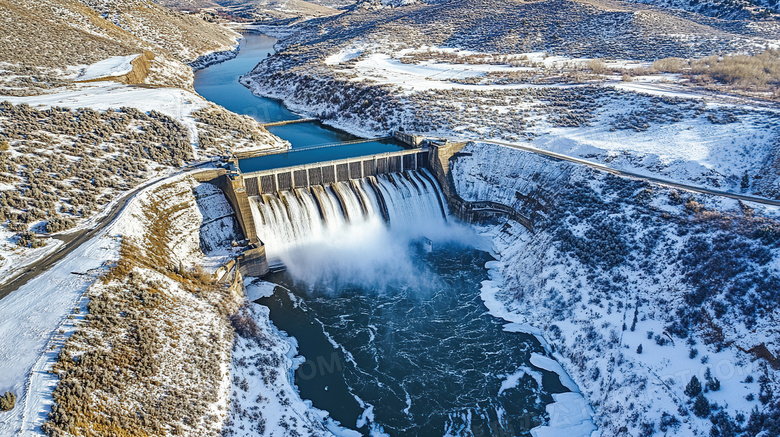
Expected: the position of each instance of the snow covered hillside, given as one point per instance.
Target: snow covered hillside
(638, 289)
(657, 104)
(91, 288)
(45, 44)
(61, 168)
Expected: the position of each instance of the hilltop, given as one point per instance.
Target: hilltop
(45, 44)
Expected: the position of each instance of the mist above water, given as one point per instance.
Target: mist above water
(331, 238)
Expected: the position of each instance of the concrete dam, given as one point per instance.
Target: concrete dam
(280, 209)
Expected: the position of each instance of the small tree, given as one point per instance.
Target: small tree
(713, 384)
(693, 388)
(669, 422)
(701, 407)
(639, 349)
(7, 401)
(745, 182)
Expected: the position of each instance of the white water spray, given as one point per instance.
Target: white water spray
(356, 232)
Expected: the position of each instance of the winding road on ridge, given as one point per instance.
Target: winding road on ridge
(72, 240)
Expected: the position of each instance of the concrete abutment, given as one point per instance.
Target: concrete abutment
(253, 261)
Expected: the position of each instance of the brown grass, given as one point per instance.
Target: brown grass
(744, 72)
(136, 367)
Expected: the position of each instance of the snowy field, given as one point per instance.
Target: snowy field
(650, 124)
(173, 102)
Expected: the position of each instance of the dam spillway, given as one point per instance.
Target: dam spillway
(288, 219)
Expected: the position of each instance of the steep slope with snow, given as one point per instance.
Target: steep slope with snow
(45, 44)
(638, 289)
(162, 288)
(140, 318)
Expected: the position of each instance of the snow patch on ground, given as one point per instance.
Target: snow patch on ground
(569, 415)
(384, 69)
(343, 56)
(110, 67)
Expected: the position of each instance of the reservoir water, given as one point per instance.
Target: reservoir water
(219, 84)
(382, 294)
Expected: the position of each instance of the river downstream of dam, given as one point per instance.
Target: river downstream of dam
(381, 293)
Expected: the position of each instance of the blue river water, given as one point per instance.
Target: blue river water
(219, 84)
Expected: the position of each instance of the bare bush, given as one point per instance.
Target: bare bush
(742, 71)
(29, 239)
(7, 401)
(597, 66)
(137, 367)
(670, 65)
(58, 224)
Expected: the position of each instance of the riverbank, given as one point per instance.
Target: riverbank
(220, 83)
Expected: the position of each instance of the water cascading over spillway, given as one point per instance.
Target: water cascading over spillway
(406, 203)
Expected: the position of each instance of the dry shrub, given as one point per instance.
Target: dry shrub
(742, 71)
(756, 72)
(7, 401)
(597, 66)
(670, 65)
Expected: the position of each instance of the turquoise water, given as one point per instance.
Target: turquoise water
(309, 156)
(219, 84)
